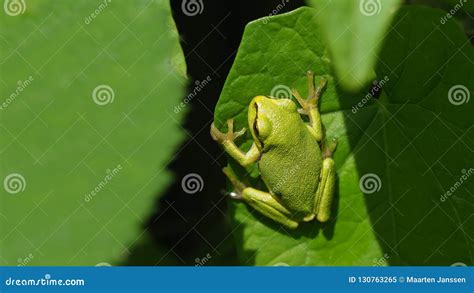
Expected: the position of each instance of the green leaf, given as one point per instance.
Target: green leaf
(404, 149)
(353, 31)
(88, 92)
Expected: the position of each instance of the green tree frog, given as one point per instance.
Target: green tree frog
(299, 176)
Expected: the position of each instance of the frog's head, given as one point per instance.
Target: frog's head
(270, 119)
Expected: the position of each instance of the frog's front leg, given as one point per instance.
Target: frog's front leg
(227, 142)
(310, 105)
(262, 201)
(325, 192)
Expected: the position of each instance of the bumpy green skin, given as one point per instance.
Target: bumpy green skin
(291, 160)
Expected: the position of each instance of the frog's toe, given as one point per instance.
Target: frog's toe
(330, 148)
(216, 134)
(239, 133)
(301, 101)
(309, 218)
(235, 195)
(238, 185)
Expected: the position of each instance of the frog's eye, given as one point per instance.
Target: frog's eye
(262, 127)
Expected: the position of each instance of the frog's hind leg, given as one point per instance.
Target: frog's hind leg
(325, 192)
(236, 183)
(267, 205)
(262, 201)
(310, 105)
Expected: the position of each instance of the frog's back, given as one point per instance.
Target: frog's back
(291, 168)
